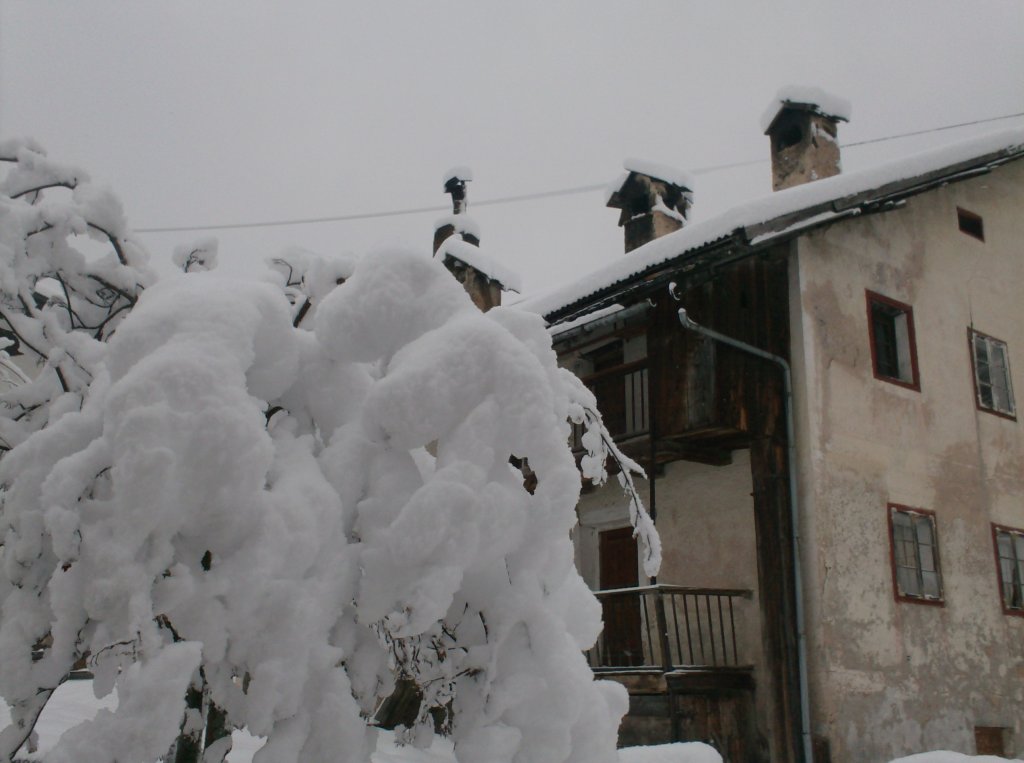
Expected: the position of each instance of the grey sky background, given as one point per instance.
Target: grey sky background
(202, 113)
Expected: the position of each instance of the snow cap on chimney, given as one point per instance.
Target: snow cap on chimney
(654, 200)
(455, 181)
(802, 123)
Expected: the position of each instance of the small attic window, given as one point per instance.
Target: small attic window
(970, 223)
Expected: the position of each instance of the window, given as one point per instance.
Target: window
(616, 372)
(891, 329)
(991, 374)
(915, 555)
(1010, 560)
(970, 223)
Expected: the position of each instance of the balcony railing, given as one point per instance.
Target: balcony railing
(622, 397)
(666, 628)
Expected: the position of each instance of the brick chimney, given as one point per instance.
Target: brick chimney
(457, 242)
(802, 124)
(654, 201)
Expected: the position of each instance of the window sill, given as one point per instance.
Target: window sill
(902, 597)
(912, 385)
(996, 412)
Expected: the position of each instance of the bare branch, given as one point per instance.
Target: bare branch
(114, 242)
(302, 312)
(69, 186)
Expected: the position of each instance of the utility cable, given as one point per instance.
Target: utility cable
(530, 196)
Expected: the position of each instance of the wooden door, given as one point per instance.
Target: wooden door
(621, 639)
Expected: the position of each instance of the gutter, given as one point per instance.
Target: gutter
(794, 513)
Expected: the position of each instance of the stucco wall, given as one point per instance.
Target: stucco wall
(890, 677)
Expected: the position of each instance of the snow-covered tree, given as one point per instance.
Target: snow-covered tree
(259, 505)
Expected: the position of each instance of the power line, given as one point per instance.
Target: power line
(934, 129)
(530, 196)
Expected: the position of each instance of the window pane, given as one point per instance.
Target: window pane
(997, 358)
(1017, 600)
(981, 371)
(927, 558)
(886, 354)
(903, 541)
(906, 580)
(932, 585)
(902, 332)
(1010, 548)
(1004, 542)
(980, 352)
(923, 525)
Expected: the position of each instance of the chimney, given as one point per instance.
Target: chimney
(457, 242)
(653, 200)
(455, 181)
(802, 123)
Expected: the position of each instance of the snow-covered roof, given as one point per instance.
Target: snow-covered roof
(812, 98)
(589, 318)
(784, 212)
(461, 250)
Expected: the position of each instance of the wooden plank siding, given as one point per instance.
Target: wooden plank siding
(707, 399)
(708, 391)
(709, 395)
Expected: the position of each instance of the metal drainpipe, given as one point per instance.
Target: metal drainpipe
(794, 513)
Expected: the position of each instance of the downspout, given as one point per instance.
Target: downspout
(794, 513)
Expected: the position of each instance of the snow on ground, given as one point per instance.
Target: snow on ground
(681, 752)
(945, 756)
(74, 703)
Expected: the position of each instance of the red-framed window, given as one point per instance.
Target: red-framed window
(990, 361)
(914, 546)
(1009, 548)
(893, 342)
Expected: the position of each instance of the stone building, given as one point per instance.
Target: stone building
(838, 460)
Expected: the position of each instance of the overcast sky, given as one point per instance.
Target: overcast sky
(204, 113)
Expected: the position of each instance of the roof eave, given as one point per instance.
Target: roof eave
(781, 228)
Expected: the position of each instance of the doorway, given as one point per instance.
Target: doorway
(619, 563)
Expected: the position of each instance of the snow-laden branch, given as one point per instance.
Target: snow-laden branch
(600, 448)
(280, 499)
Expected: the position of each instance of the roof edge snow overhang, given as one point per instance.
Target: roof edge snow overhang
(745, 241)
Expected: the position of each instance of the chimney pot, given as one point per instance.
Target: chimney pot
(455, 181)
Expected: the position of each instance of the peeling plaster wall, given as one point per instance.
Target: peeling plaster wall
(889, 677)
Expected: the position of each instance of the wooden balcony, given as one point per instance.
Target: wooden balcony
(623, 396)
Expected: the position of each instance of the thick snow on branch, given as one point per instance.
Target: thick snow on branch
(374, 527)
(285, 496)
